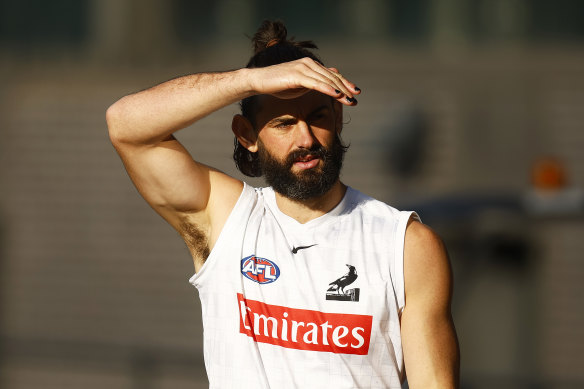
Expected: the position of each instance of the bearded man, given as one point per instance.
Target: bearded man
(270, 263)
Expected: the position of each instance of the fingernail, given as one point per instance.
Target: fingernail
(337, 91)
(351, 99)
(358, 89)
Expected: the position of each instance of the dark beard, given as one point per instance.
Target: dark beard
(309, 183)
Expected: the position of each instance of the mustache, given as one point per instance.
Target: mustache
(317, 151)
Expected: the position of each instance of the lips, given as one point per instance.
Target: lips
(306, 162)
(306, 159)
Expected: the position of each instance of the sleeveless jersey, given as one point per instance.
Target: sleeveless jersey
(313, 305)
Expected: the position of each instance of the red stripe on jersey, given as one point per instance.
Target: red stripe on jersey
(304, 329)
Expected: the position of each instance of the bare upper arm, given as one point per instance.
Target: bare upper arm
(429, 340)
(194, 198)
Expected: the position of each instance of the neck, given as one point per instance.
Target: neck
(306, 210)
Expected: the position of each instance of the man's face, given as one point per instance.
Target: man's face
(299, 149)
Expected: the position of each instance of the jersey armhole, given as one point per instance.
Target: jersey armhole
(400, 237)
(197, 278)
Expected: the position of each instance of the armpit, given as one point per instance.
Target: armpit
(196, 240)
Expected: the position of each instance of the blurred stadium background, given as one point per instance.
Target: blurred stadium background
(472, 114)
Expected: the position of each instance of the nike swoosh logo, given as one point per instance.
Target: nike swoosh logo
(295, 249)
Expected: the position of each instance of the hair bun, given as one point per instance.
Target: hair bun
(269, 34)
(273, 32)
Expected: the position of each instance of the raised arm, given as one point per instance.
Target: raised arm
(430, 345)
(196, 199)
(141, 128)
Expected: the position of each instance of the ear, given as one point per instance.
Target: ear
(338, 108)
(244, 132)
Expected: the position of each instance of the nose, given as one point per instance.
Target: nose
(304, 136)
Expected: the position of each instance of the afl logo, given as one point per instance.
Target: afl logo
(260, 270)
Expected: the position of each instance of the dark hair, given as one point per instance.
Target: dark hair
(271, 46)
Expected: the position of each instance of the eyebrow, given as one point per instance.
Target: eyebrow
(318, 110)
(289, 119)
(281, 120)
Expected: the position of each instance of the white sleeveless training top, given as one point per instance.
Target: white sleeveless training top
(314, 305)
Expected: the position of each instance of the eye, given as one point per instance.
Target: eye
(283, 125)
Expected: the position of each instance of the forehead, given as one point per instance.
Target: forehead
(270, 107)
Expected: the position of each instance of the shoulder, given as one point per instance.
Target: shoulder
(427, 271)
(422, 240)
(225, 194)
(367, 205)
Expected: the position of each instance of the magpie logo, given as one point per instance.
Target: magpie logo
(296, 249)
(337, 288)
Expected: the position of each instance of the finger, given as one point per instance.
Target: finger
(335, 80)
(321, 84)
(349, 100)
(356, 90)
(340, 89)
(329, 82)
(350, 85)
(334, 86)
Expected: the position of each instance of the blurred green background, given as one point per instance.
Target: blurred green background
(472, 114)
